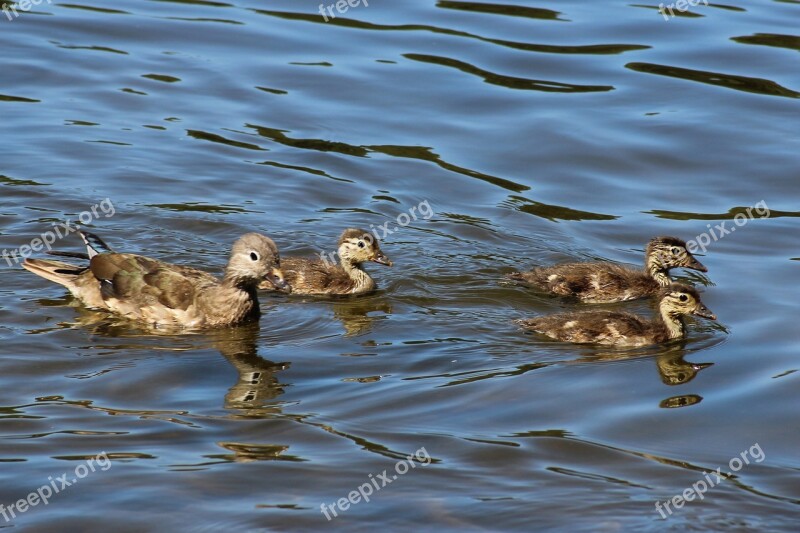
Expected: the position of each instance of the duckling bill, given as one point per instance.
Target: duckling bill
(316, 277)
(605, 282)
(625, 329)
(164, 294)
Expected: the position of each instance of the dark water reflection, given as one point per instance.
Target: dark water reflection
(538, 133)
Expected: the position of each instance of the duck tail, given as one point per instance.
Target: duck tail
(94, 244)
(62, 273)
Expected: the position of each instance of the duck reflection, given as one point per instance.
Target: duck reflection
(248, 453)
(359, 315)
(680, 401)
(672, 368)
(257, 386)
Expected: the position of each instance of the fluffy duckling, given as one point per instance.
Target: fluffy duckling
(625, 329)
(312, 276)
(163, 294)
(604, 282)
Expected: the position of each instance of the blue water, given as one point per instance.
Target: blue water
(535, 132)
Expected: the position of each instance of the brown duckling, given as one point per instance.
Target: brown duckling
(625, 329)
(604, 282)
(321, 277)
(162, 294)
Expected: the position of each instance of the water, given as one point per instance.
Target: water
(537, 133)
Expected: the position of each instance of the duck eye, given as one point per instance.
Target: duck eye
(360, 244)
(254, 256)
(683, 297)
(675, 251)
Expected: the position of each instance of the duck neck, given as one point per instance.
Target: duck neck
(360, 278)
(236, 281)
(236, 296)
(673, 322)
(656, 270)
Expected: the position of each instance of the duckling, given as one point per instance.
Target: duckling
(167, 295)
(625, 329)
(604, 282)
(311, 276)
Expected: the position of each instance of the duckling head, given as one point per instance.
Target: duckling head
(254, 258)
(357, 246)
(664, 253)
(678, 299)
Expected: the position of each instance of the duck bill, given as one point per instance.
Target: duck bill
(382, 260)
(275, 277)
(694, 264)
(705, 312)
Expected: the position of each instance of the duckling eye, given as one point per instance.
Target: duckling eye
(254, 256)
(683, 297)
(360, 244)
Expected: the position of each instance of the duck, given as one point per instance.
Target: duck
(165, 295)
(323, 277)
(625, 329)
(605, 282)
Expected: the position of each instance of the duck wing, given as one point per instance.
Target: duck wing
(594, 282)
(601, 327)
(129, 283)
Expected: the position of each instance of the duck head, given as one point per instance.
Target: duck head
(254, 258)
(664, 253)
(679, 299)
(358, 246)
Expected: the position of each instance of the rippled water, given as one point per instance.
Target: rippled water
(537, 133)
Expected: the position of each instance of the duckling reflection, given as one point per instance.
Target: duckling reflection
(248, 453)
(672, 368)
(257, 387)
(358, 316)
(680, 401)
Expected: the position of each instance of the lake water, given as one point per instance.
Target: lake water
(536, 132)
